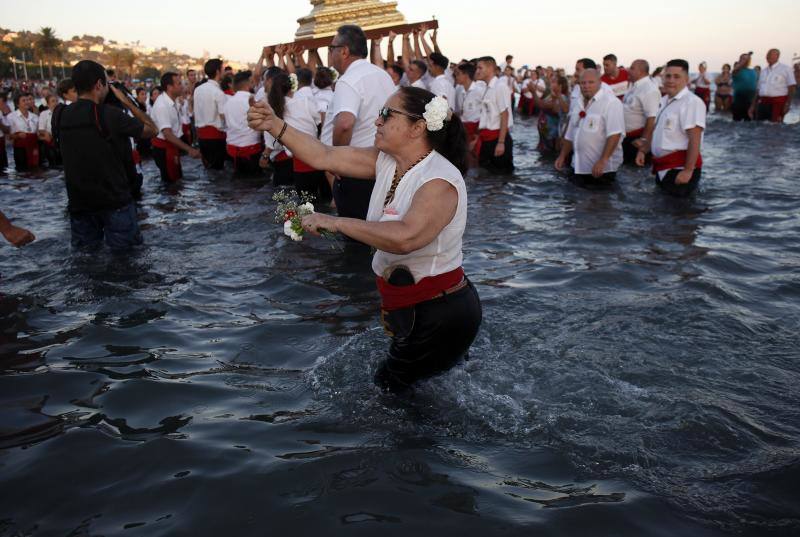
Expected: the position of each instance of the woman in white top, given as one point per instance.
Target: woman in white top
(416, 220)
(702, 85)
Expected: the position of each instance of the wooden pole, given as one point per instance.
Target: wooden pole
(374, 33)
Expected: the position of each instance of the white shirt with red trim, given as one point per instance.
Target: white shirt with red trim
(676, 115)
(603, 117)
(238, 133)
(775, 80)
(496, 99)
(19, 123)
(361, 90)
(209, 102)
(641, 103)
(165, 116)
(617, 84)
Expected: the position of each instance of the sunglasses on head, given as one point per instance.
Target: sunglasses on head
(387, 112)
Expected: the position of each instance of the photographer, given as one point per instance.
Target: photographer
(93, 137)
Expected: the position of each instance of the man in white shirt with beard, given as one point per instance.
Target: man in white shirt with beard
(361, 91)
(641, 108)
(596, 126)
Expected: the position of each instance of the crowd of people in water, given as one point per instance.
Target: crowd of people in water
(384, 143)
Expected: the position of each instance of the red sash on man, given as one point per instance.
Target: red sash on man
(245, 152)
(30, 143)
(298, 166)
(395, 297)
(673, 160)
(173, 158)
(486, 135)
(635, 134)
(186, 129)
(704, 94)
(209, 132)
(777, 104)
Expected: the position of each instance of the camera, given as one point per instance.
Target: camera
(111, 98)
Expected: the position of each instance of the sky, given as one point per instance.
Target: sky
(546, 33)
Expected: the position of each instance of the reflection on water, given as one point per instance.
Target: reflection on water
(636, 371)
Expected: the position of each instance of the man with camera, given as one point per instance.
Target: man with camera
(92, 137)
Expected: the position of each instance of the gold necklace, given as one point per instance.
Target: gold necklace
(398, 177)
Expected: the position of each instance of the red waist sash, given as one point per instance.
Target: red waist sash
(486, 135)
(471, 127)
(243, 152)
(395, 297)
(635, 134)
(30, 143)
(173, 158)
(301, 167)
(777, 104)
(280, 157)
(210, 132)
(673, 160)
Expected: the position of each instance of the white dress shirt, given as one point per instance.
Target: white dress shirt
(577, 97)
(419, 83)
(324, 98)
(301, 112)
(675, 116)
(19, 123)
(775, 80)
(640, 103)
(45, 121)
(469, 102)
(239, 134)
(442, 87)
(165, 115)
(209, 103)
(603, 118)
(361, 90)
(496, 99)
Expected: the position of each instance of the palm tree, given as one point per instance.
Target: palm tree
(49, 46)
(129, 60)
(115, 58)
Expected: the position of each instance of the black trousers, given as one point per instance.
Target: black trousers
(169, 173)
(21, 159)
(352, 196)
(3, 154)
(589, 181)
(247, 165)
(503, 163)
(441, 332)
(214, 153)
(282, 174)
(742, 101)
(628, 150)
(52, 154)
(312, 184)
(668, 186)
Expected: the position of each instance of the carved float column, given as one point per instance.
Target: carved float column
(328, 15)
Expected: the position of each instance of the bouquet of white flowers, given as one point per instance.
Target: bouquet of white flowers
(291, 209)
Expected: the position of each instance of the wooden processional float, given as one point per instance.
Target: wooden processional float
(375, 17)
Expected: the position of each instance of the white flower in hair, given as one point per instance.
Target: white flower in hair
(334, 73)
(436, 112)
(293, 81)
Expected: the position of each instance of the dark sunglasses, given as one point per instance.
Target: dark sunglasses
(387, 112)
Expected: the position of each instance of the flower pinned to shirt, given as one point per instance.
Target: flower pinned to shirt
(437, 111)
(582, 114)
(334, 74)
(293, 81)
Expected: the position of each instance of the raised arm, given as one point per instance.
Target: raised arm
(312, 60)
(435, 41)
(341, 160)
(406, 52)
(417, 47)
(377, 57)
(390, 57)
(422, 31)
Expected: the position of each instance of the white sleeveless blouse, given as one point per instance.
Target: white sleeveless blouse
(444, 253)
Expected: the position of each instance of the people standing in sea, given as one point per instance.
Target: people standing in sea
(776, 88)
(641, 107)
(745, 85)
(553, 110)
(167, 146)
(23, 124)
(45, 133)
(93, 136)
(361, 90)
(495, 147)
(723, 98)
(469, 99)
(702, 84)
(243, 144)
(416, 221)
(678, 134)
(594, 135)
(209, 118)
(5, 110)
